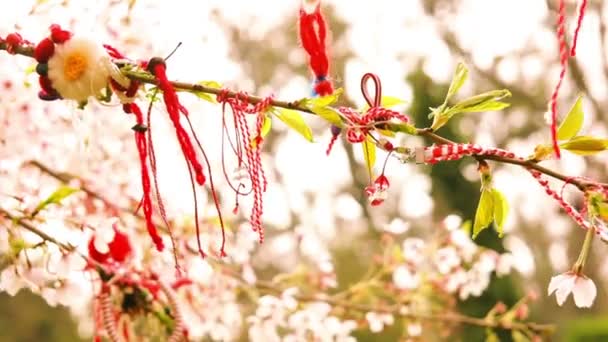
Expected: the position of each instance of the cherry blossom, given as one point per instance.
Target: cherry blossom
(377, 321)
(582, 288)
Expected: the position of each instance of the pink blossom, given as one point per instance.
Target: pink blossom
(582, 288)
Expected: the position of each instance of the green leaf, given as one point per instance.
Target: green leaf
(485, 102)
(387, 102)
(55, 198)
(585, 145)
(205, 96)
(323, 101)
(404, 128)
(485, 212)
(573, 122)
(488, 101)
(266, 125)
(519, 336)
(369, 154)
(294, 120)
(211, 84)
(460, 76)
(501, 210)
(328, 114)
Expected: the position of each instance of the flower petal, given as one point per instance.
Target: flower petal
(584, 292)
(564, 288)
(555, 281)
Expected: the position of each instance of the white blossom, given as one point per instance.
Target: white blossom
(405, 279)
(81, 68)
(582, 288)
(377, 321)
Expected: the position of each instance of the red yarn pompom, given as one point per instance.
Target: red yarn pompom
(59, 35)
(46, 85)
(120, 247)
(44, 50)
(14, 39)
(95, 254)
(324, 88)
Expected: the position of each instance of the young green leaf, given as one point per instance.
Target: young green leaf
(387, 102)
(323, 101)
(573, 122)
(328, 114)
(369, 154)
(294, 120)
(485, 102)
(485, 212)
(205, 96)
(460, 76)
(55, 198)
(501, 210)
(585, 145)
(266, 125)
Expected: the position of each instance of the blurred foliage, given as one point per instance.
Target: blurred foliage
(587, 329)
(26, 318)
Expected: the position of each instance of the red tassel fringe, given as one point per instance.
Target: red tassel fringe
(142, 148)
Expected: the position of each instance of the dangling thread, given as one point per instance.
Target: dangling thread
(563, 53)
(253, 152)
(142, 148)
(313, 42)
(579, 23)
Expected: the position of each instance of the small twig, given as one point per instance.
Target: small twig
(448, 317)
(28, 226)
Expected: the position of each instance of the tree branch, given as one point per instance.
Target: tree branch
(581, 184)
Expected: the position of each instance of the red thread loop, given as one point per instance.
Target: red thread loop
(357, 125)
(313, 32)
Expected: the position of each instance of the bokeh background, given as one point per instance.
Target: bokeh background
(413, 46)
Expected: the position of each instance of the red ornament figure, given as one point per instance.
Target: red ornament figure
(313, 32)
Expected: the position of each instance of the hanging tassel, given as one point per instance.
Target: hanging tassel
(142, 148)
(313, 42)
(157, 67)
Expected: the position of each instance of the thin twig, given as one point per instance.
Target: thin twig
(447, 317)
(28, 226)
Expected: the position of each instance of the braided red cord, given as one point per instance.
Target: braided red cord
(142, 148)
(581, 15)
(313, 32)
(563, 53)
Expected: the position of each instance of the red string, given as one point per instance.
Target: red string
(253, 152)
(142, 148)
(581, 15)
(563, 52)
(313, 32)
(173, 108)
